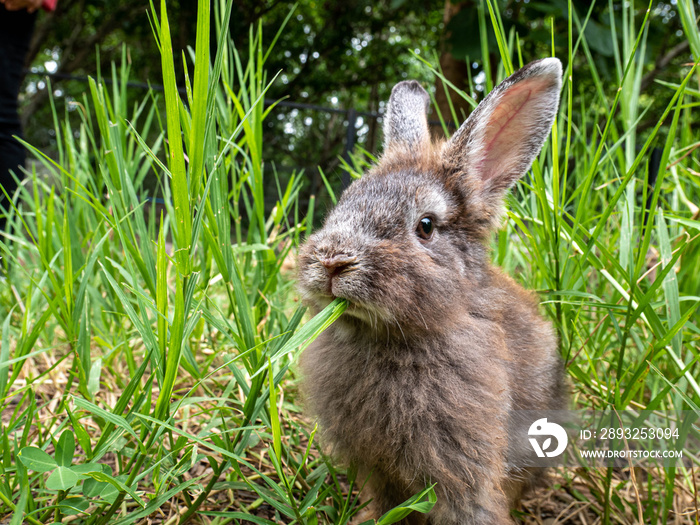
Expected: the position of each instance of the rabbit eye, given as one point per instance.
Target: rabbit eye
(425, 228)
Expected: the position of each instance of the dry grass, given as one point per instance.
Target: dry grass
(568, 496)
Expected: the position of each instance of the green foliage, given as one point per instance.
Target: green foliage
(147, 350)
(98, 484)
(421, 502)
(101, 289)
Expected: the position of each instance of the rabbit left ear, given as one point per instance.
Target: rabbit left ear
(504, 134)
(405, 120)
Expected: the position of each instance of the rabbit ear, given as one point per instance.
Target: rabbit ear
(405, 120)
(504, 134)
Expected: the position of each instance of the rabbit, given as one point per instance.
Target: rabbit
(417, 381)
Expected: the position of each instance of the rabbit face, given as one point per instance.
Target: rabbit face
(387, 246)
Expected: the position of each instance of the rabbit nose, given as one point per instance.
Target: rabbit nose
(337, 264)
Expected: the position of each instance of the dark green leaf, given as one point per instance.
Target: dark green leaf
(62, 478)
(36, 459)
(65, 449)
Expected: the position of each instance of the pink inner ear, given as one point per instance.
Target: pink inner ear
(505, 138)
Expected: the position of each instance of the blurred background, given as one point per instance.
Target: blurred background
(337, 62)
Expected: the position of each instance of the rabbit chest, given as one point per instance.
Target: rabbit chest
(389, 404)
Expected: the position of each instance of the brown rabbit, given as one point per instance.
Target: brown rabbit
(417, 382)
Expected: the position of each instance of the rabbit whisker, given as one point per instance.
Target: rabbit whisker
(423, 318)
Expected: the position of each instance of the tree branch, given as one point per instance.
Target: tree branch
(662, 62)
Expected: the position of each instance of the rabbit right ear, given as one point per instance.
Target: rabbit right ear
(405, 120)
(504, 134)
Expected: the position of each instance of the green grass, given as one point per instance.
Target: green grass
(147, 353)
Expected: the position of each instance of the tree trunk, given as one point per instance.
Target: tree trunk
(454, 70)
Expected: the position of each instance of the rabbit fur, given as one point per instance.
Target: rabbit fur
(417, 381)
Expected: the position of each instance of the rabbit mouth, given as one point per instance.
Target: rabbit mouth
(364, 312)
(369, 314)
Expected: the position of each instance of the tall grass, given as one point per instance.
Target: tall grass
(148, 317)
(146, 354)
(606, 248)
